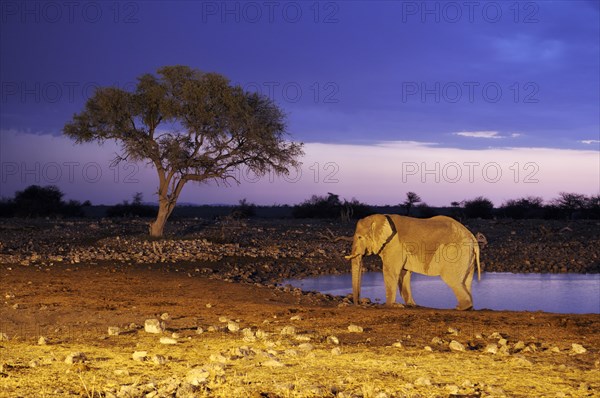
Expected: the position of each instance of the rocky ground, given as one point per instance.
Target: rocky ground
(95, 309)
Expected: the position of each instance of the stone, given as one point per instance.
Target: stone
(154, 326)
(233, 327)
(217, 358)
(427, 348)
(422, 381)
(456, 346)
(139, 356)
(578, 349)
(519, 346)
(272, 363)
(3, 337)
(521, 361)
(159, 359)
(333, 340)
(555, 349)
(336, 351)
(355, 329)
(199, 330)
(306, 347)
(495, 335)
(453, 331)
(197, 376)
(296, 318)
(113, 331)
(75, 357)
(491, 349)
(168, 341)
(502, 342)
(42, 341)
(436, 340)
(397, 344)
(165, 316)
(288, 331)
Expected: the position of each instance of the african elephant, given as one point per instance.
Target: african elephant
(435, 246)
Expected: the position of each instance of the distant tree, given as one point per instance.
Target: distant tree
(411, 199)
(192, 126)
(134, 209)
(570, 204)
(330, 206)
(425, 211)
(36, 201)
(244, 209)
(7, 207)
(529, 207)
(593, 207)
(479, 207)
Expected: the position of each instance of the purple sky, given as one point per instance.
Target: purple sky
(449, 99)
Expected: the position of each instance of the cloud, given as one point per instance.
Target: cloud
(589, 142)
(485, 134)
(381, 173)
(524, 48)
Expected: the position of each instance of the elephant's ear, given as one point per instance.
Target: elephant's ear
(381, 230)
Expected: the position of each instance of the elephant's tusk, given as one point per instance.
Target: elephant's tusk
(351, 256)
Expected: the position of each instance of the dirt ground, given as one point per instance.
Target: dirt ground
(263, 341)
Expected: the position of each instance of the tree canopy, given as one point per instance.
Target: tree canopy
(192, 126)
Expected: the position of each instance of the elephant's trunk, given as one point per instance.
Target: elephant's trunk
(356, 277)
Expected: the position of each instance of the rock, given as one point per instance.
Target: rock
(197, 377)
(577, 349)
(452, 389)
(223, 319)
(333, 340)
(233, 327)
(422, 381)
(436, 341)
(159, 359)
(296, 318)
(154, 326)
(176, 335)
(519, 346)
(355, 329)
(42, 341)
(302, 338)
(272, 363)
(165, 316)
(139, 356)
(199, 330)
(291, 353)
(75, 357)
(452, 331)
(456, 346)
(113, 331)
(3, 337)
(33, 363)
(555, 349)
(397, 344)
(491, 349)
(495, 335)
(168, 341)
(306, 347)
(249, 335)
(521, 361)
(336, 351)
(288, 331)
(479, 336)
(502, 342)
(217, 358)
(427, 348)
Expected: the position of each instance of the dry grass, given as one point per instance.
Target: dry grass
(359, 370)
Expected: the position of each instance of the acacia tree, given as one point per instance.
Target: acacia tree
(411, 199)
(191, 126)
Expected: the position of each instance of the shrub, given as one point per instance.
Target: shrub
(243, 210)
(133, 209)
(529, 207)
(479, 207)
(7, 208)
(330, 207)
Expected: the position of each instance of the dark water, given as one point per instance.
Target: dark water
(561, 293)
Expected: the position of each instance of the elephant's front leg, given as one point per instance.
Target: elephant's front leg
(390, 280)
(404, 284)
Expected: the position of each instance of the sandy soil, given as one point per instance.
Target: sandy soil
(266, 341)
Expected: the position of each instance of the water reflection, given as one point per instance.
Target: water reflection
(562, 293)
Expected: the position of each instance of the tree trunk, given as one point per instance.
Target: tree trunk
(158, 225)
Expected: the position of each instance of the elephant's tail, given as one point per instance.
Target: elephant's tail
(476, 250)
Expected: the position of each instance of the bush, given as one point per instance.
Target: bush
(479, 207)
(243, 210)
(529, 207)
(135, 209)
(330, 207)
(7, 208)
(424, 211)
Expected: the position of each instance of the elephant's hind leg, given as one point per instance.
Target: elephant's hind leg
(462, 293)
